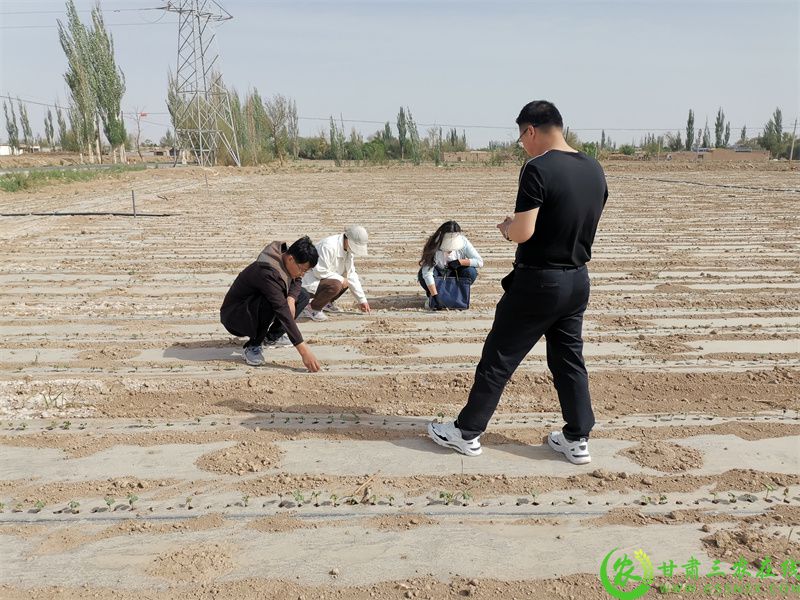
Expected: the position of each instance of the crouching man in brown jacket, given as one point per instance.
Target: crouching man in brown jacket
(265, 298)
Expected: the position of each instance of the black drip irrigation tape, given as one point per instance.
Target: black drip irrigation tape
(457, 511)
(714, 185)
(86, 214)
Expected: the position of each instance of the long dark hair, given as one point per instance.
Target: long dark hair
(433, 243)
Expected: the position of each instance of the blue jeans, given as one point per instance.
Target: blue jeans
(470, 273)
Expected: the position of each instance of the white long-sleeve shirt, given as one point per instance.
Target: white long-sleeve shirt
(441, 258)
(334, 263)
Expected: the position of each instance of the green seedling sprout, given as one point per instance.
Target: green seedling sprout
(132, 498)
(109, 501)
(732, 498)
(447, 497)
(373, 500)
(533, 495)
(189, 502)
(2, 506)
(465, 496)
(40, 504)
(298, 497)
(769, 489)
(315, 497)
(662, 499)
(334, 500)
(66, 425)
(786, 495)
(74, 505)
(714, 498)
(17, 507)
(245, 500)
(390, 500)
(571, 500)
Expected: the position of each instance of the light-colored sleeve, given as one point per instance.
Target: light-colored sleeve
(427, 275)
(354, 282)
(327, 259)
(475, 259)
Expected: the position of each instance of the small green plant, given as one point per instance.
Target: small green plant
(645, 500)
(732, 498)
(109, 500)
(571, 500)
(245, 500)
(132, 498)
(40, 504)
(390, 499)
(315, 497)
(373, 500)
(334, 500)
(662, 499)
(74, 505)
(714, 499)
(464, 495)
(768, 490)
(786, 495)
(298, 497)
(66, 425)
(2, 506)
(447, 497)
(534, 494)
(188, 503)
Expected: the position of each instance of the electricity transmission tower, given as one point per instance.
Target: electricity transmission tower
(200, 106)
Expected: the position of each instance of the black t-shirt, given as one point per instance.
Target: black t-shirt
(569, 188)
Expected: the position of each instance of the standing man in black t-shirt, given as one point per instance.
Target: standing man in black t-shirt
(561, 195)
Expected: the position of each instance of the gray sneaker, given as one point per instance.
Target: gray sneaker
(253, 356)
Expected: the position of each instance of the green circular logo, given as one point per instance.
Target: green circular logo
(622, 577)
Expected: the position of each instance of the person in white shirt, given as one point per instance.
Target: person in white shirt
(448, 250)
(335, 273)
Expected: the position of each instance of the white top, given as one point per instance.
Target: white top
(441, 258)
(334, 263)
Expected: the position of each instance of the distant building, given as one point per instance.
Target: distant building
(738, 154)
(470, 156)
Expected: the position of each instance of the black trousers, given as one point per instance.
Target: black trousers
(254, 318)
(549, 303)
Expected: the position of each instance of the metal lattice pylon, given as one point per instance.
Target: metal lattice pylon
(203, 120)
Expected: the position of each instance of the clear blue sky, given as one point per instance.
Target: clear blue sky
(618, 65)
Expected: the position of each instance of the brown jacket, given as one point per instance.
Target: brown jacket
(268, 277)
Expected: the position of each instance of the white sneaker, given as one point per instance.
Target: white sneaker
(280, 342)
(576, 452)
(314, 315)
(331, 308)
(449, 436)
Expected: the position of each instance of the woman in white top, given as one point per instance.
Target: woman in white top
(447, 252)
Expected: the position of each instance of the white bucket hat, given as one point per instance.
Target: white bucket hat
(357, 238)
(452, 242)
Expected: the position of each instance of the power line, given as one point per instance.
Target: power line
(159, 22)
(61, 12)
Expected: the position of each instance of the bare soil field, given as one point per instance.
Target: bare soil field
(140, 457)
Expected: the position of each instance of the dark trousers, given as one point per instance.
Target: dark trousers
(470, 273)
(550, 303)
(254, 318)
